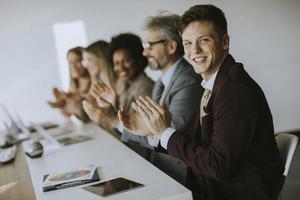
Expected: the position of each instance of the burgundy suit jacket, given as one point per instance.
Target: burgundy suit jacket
(234, 154)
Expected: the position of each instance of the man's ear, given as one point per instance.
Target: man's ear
(172, 47)
(225, 41)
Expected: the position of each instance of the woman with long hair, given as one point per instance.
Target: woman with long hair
(70, 102)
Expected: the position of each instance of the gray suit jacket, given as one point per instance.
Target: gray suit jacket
(182, 97)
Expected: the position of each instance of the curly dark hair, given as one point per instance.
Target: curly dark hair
(133, 44)
(206, 12)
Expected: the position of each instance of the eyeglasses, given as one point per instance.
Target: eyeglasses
(148, 45)
(85, 62)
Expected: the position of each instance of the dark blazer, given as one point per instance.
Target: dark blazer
(234, 154)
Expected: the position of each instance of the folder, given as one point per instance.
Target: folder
(71, 178)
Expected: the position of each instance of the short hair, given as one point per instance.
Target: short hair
(77, 50)
(206, 12)
(99, 48)
(167, 23)
(133, 44)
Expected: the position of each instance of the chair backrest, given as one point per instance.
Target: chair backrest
(286, 144)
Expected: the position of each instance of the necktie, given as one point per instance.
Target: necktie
(158, 90)
(203, 103)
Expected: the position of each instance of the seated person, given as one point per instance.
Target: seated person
(70, 102)
(232, 155)
(129, 64)
(96, 58)
(178, 87)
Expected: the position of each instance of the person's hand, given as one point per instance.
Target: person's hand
(56, 104)
(101, 115)
(60, 99)
(104, 92)
(72, 104)
(157, 117)
(133, 123)
(58, 94)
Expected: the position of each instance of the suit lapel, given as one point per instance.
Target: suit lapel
(207, 120)
(229, 60)
(179, 68)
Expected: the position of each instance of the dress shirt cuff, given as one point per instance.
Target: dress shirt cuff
(153, 140)
(164, 139)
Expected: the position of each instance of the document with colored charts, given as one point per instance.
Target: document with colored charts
(73, 177)
(68, 140)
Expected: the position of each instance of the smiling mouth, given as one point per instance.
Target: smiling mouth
(124, 74)
(199, 59)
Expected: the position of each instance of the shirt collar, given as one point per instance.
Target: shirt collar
(166, 77)
(210, 83)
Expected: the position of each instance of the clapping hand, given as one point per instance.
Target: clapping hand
(101, 91)
(60, 99)
(103, 115)
(73, 104)
(156, 117)
(66, 102)
(133, 123)
(69, 103)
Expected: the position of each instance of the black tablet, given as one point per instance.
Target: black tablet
(113, 186)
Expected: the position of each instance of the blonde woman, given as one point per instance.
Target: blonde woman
(70, 102)
(98, 62)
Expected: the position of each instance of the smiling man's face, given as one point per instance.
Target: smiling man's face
(204, 47)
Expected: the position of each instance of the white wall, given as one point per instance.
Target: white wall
(264, 36)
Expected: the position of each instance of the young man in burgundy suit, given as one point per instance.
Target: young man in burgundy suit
(233, 154)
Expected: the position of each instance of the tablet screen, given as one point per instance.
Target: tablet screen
(112, 186)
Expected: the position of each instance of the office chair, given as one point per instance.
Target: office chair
(286, 144)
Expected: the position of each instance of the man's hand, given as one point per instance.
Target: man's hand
(133, 123)
(157, 117)
(105, 92)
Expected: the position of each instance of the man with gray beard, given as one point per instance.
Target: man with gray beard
(179, 88)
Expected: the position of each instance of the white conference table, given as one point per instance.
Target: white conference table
(114, 159)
